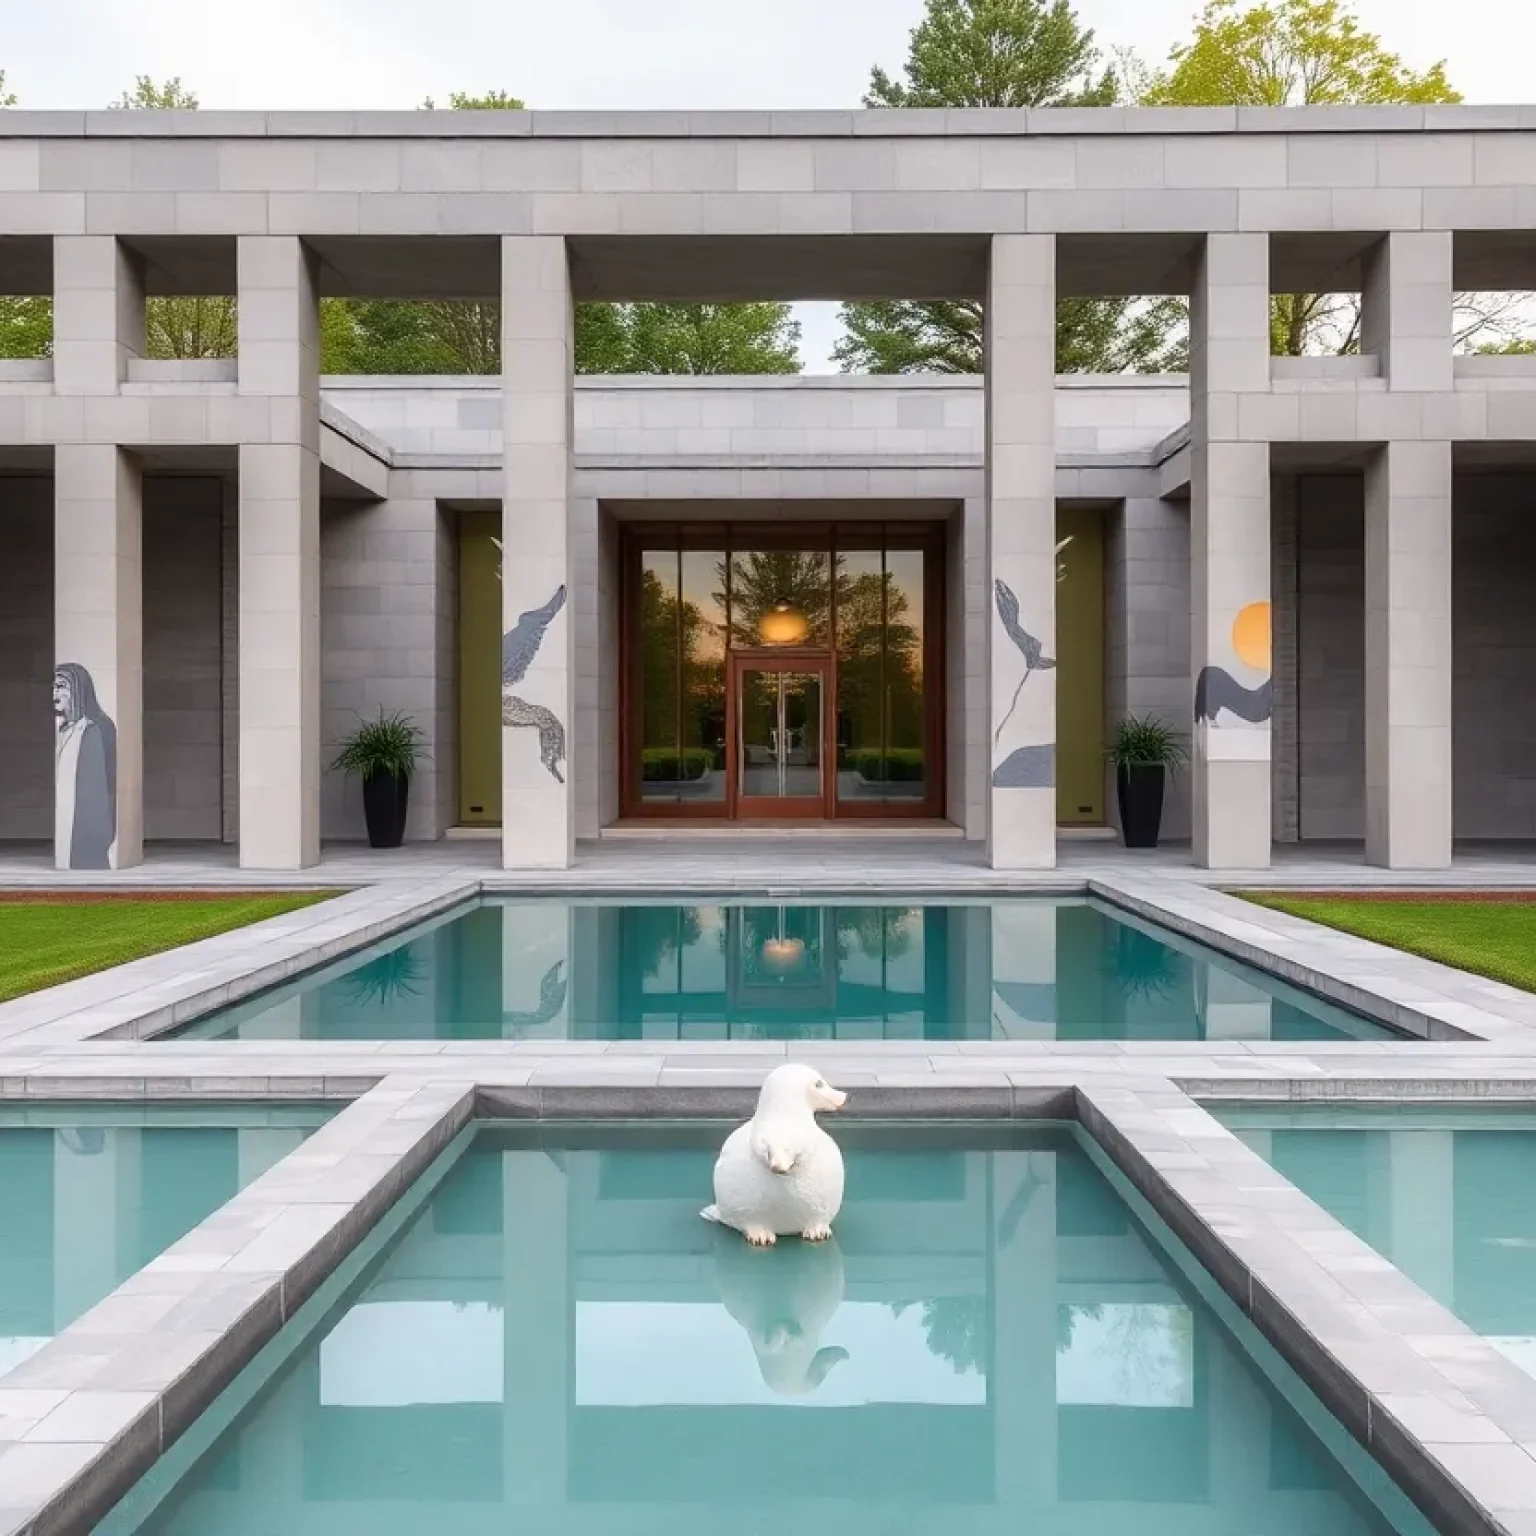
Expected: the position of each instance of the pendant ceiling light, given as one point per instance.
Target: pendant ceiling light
(783, 624)
(781, 953)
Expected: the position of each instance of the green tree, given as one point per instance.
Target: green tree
(1000, 53)
(148, 96)
(1289, 53)
(7, 98)
(26, 327)
(492, 101)
(692, 339)
(1306, 53)
(997, 53)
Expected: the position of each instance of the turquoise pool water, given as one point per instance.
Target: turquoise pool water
(88, 1197)
(1448, 1196)
(1005, 970)
(557, 1343)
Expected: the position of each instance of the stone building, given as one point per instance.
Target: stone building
(800, 599)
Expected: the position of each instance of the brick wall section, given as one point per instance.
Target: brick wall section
(381, 593)
(183, 660)
(229, 662)
(1147, 640)
(1494, 627)
(26, 658)
(1493, 616)
(1330, 639)
(1284, 814)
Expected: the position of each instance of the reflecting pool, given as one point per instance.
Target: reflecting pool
(1448, 1196)
(557, 1342)
(86, 1199)
(551, 969)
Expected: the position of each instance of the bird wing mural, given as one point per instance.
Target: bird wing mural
(552, 990)
(519, 646)
(1030, 767)
(521, 643)
(1217, 690)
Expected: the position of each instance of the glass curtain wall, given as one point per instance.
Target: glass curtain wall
(861, 598)
(681, 712)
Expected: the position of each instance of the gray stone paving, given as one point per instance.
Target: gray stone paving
(1442, 1410)
(685, 858)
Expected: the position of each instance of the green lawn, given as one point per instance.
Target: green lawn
(1494, 938)
(45, 942)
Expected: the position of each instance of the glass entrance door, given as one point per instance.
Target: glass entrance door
(779, 768)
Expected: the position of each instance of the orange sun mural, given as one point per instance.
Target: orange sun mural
(1220, 699)
(1251, 636)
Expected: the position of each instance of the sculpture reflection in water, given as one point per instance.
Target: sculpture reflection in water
(784, 1300)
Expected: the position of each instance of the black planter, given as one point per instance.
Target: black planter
(1139, 787)
(385, 796)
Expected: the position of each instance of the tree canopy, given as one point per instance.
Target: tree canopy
(491, 101)
(147, 95)
(1001, 53)
(1289, 53)
(997, 53)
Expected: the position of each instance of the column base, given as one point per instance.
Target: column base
(1021, 830)
(1232, 814)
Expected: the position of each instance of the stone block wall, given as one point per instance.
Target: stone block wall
(1146, 614)
(26, 657)
(184, 734)
(385, 608)
(1330, 656)
(1494, 629)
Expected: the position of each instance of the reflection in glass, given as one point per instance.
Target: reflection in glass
(702, 719)
(592, 1349)
(880, 719)
(760, 581)
(780, 730)
(663, 771)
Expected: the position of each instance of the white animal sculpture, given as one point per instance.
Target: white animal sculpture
(780, 1174)
(783, 1301)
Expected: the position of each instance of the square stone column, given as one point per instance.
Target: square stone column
(279, 557)
(98, 683)
(98, 313)
(1406, 309)
(1021, 550)
(1408, 656)
(538, 650)
(1230, 639)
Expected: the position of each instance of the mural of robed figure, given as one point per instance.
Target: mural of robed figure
(85, 773)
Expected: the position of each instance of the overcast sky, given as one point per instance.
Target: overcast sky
(610, 53)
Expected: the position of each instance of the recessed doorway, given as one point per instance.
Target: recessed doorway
(783, 673)
(776, 759)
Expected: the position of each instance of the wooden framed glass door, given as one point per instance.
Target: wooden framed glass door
(778, 765)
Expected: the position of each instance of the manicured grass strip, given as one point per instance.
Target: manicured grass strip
(45, 942)
(1489, 937)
